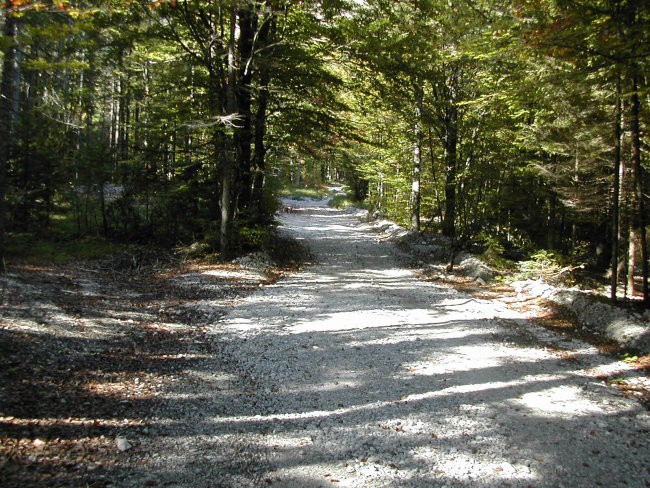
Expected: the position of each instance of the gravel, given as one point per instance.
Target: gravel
(354, 373)
(630, 330)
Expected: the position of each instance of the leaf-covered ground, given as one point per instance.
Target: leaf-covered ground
(85, 353)
(98, 364)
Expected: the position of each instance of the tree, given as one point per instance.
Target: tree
(7, 115)
(609, 40)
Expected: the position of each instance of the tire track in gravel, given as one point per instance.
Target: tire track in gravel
(354, 373)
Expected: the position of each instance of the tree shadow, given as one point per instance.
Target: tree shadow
(439, 394)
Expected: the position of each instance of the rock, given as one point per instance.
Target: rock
(123, 444)
(475, 268)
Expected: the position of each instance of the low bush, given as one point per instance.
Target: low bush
(546, 266)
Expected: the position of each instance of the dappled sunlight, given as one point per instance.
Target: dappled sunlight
(566, 401)
(231, 274)
(443, 365)
(325, 230)
(337, 383)
(394, 400)
(496, 473)
(351, 373)
(362, 319)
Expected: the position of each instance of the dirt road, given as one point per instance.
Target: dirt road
(355, 373)
(349, 373)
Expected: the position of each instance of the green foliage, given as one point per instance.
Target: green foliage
(345, 200)
(302, 193)
(195, 250)
(341, 201)
(27, 248)
(542, 264)
(251, 238)
(366, 93)
(547, 266)
(629, 358)
(494, 255)
(617, 381)
(270, 203)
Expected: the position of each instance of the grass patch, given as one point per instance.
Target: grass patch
(344, 200)
(501, 265)
(28, 249)
(299, 193)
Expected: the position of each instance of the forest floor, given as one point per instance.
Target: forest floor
(350, 372)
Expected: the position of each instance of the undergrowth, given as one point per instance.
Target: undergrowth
(302, 193)
(30, 249)
(547, 266)
(344, 200)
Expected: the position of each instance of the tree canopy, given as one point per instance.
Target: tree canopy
(513, 125)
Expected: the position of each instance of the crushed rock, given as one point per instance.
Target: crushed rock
(629, 330)
(355, 373)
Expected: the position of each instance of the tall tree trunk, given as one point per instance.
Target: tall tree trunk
(102, 207)
(434, 176)
(229, 158)
(266, 34)
(259, 155)
(628, 198)
(417, 160)
(7, 92)
(125, 116)
(247, 18)
(616, 190)
(639, 222)
(451, 163)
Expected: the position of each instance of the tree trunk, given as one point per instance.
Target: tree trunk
(616, 190)
(266, 34)
(451, 163)
(6, 117)
(632, 239)
(639, 222)
(123, 115)
(102, 206)
(247, 19)
(417, 161)
(228, 156)
(434, 177)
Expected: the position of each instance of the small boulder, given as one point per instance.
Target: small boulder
(123, 444)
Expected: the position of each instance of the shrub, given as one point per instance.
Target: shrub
(344, 200)
(546, 266)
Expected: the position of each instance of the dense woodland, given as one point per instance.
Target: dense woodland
(513, 125)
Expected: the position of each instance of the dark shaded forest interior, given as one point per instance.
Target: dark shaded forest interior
(516, 128)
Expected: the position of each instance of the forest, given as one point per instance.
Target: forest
(511, 126)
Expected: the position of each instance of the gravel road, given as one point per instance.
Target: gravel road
(354, 373)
